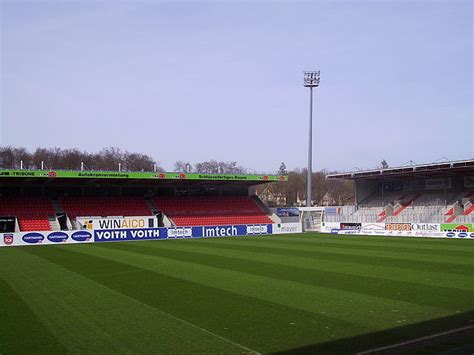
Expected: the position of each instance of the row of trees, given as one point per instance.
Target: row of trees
(72, 159)
(210, 167)
(280, 193)
(106, 159)
(293, 192)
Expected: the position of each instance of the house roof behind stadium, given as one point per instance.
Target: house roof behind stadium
(435, 169)
(141, 176)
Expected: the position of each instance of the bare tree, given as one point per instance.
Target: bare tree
(11, 157)
(138, 162)
(182, 166)
(215, 167)
(288, 193)
(41, 155)
(71, 159)
(8, 157)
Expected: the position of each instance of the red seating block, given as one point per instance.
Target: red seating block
(105, 206)
(32, 212)
(201, 211)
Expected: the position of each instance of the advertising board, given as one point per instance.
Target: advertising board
(180, 232)
(287, 228)
(457, 227)
(114, 235)
(438, 183)
(330, 227)
(91, 223)
(427, 230)
(469, 181)
(398, 227)
(287, 212)
(68, 174)
(351, 225)
(373, 228)
(111, 235)
(121, 234)
(45, 238)
(332, 210)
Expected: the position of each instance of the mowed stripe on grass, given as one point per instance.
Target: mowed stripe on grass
(56, 311)
(228, 295)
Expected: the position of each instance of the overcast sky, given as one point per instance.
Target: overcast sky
(223, 80)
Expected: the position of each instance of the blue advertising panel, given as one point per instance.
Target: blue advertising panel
(57, 237)
(288, 212)
(33, 238)
(238, 230)
(117, 235)
(114, 235)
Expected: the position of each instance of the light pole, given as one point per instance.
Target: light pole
(311, 80)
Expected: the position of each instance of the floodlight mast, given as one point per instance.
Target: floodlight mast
(311, 80)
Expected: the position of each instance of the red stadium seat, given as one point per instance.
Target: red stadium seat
(105, 206)
(32, 212)
(201, 211)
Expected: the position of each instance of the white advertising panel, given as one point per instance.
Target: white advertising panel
(44, 238)
(427, 230)
(287, 228)
(469, 181)
(373, 228)
(329, 227)
(186, 232)
(91, 223)
(438, 183)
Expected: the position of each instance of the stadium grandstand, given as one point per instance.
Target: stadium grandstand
(36, 200)
(426, 193)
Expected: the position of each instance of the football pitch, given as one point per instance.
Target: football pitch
(295, 293)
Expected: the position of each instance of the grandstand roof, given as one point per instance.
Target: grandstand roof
(422, 170)
(19, 176)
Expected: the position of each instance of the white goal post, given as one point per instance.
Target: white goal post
(311, 218)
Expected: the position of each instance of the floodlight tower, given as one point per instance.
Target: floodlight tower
(311, 80)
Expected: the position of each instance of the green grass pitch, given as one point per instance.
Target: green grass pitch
(295, 293)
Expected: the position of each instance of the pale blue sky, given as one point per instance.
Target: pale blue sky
(223, 80)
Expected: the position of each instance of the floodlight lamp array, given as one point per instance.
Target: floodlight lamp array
(311, 78)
